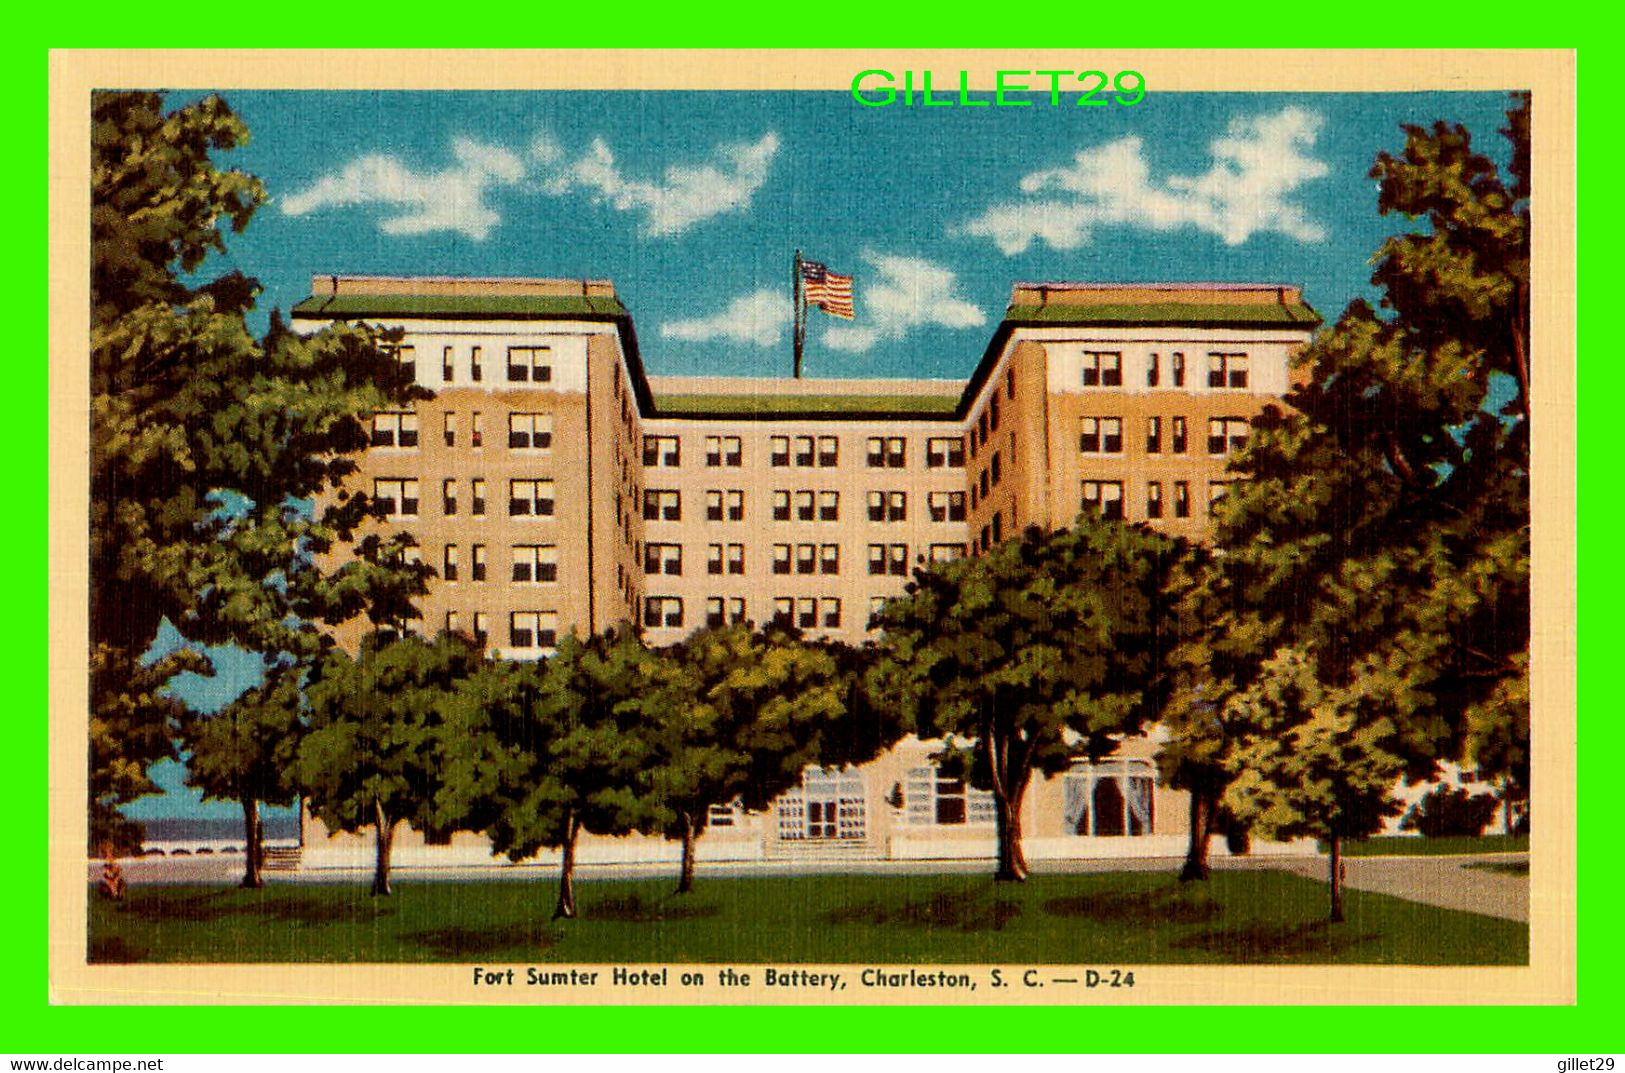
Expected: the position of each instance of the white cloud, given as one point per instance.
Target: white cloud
(760, 317)
(685, 194)
(905, 293)
(1257, 165)
(452, 199)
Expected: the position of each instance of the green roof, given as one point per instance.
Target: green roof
(456, 306)
(762, 406)
(1172, 314)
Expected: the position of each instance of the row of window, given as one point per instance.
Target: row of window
(526, 364)
(526, 431)
(1104, 368)
(882, 452)
(804, 612)
(533, 563)
(666, 505)
(1104, 435)
(1106, 498)
(399, 497)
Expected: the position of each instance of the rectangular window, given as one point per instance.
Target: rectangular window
(1100, 436)
(877, 559)
(829, 558)
(713, 558)
(1153, 370)
(476, 431)
(734, 500)
(933, 799)
(482, 628)
(946, 506)
(664, 451)
(532, 499)
(736, 559)
(1216, 490)
(779, 451)
(663, 559)
(530, 432)
(896, 506)
(806, 452)
(406, 358)
(877, 506)
(736, 610)
(831, 607)
(1182, 499)
(723, 451)
(947, 553)
(452, 624)
(784, 610)
(1102, 368)
(398, 429)
(875, 452)
(1153, 435)
(533, 629)
(781, 506)
(448, 497)
(445, 364)
(476, 566)
(805, 509)
(476, 503)
(945, 452)
(662, 505)
(1104, 498)
(1227, 370)
(533, 364)
(713, 505)
(806, 558)
(1153, 499)
(476, 365)
(713, 613)
(1226, 435)
(877, 604)
(897, 560)
(396, 497)
(995, 470)
(897, 449)
(450, 429)
(807, 612)
(448, 563)
(1010, 382)
(535, 563)
(829, 506)
(662, 611)
(993, 412)
(781, 558)
(998, 526)
(982, 482)
(1178, 367)
(1181, 442)
(829, 451)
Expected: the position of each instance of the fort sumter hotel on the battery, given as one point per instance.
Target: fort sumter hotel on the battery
(554, 485)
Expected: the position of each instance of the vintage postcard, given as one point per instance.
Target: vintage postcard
(860, 527)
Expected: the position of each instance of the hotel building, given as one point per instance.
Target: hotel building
(554, 485)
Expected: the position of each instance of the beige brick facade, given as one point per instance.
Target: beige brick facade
(610, 496)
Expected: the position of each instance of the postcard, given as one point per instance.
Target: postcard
(825, 528)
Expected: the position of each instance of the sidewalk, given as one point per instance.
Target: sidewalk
(1447, 882)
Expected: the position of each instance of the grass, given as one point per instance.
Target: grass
(1414, 846)
(1237, 917)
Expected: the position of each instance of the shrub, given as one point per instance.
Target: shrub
(1448, 811)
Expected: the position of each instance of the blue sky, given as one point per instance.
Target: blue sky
(694, 203)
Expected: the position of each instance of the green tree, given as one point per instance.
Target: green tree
(542, 751)
(742, 714)
(204, 440)
(374, 754)
(1380, 537)
(246, 751)
(1047, 648)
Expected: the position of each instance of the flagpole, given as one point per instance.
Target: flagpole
(800, 300)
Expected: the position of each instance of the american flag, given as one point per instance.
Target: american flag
(829, 291)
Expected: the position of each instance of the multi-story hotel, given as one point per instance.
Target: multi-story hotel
(554, 485)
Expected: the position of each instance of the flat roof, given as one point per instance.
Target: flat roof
(458, 306)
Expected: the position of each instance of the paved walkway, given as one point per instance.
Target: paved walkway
(1447, 882)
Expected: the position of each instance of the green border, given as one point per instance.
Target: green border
(33, 1026)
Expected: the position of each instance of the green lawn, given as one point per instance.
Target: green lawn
(1116, 918)
(1413, 846)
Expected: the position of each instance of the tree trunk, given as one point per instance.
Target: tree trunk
(1337, 879)
(1007, 814)
(253, 847)
(1202, 809)
(685, 879)
(384, 841)
(566, 909)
